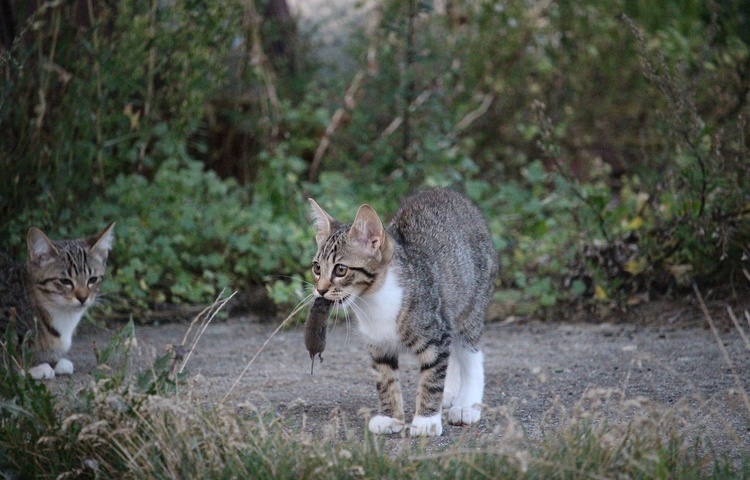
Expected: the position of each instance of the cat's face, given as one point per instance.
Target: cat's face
(351, 258)
(66, 275)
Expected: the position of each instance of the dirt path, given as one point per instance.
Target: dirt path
(533, 368)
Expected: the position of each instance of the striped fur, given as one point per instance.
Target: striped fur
(46, 297)
(422, 285)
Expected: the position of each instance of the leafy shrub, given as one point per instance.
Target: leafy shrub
(606, 205)
(186, 235)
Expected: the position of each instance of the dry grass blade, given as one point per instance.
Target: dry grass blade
(262, 347)
(738, 326)
(207, 314)
(724, 352)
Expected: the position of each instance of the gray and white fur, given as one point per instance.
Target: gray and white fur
(46, 297)
(422, 285)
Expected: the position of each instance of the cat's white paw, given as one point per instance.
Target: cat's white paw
(64, 367)
(382, 425)
(426, 426)
(463, 415)
(43, 371)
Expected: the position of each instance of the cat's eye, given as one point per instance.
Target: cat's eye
(340, 270)
(316, 268)
(93, 280)
(66, 282)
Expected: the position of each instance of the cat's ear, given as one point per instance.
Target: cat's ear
(367, 230)
(41, 249)
(101, 243)
(323, 222)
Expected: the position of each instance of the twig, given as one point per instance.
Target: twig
(262, 66)
(725, 353)
(334, 124)
(398, 121)
(552, 152)
(370, 68)
(473, 115)
(682, 101)
(409, 83)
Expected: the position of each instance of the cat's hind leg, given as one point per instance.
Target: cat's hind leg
(452, 381)
(466, 406)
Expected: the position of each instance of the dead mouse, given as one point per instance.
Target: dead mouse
(315, 328)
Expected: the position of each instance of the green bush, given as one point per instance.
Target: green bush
(186, 234)
(595, 173)
(87, 101)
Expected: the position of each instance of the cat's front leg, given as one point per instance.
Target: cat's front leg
(64, 367)
(391, 417)
(433, 360)
(43, 371)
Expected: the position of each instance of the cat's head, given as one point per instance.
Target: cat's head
(66, 275)
(351, 258)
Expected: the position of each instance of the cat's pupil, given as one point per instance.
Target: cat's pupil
(340, 270)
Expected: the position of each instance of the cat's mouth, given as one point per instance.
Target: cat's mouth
(340, 300)
(343, 302)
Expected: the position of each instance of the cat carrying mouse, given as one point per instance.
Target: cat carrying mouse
(422, 285)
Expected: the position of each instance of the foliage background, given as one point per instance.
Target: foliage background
(605, 141)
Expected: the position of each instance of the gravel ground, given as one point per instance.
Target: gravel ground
(537, 371)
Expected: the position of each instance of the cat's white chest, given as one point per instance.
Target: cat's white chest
(377, 313)
(65, 322)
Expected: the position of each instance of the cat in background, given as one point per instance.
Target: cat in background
(46, 297)
(422, 284)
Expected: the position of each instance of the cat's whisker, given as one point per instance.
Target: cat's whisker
(361, 315)
(348, 320)
(335, 320)
(307, 300)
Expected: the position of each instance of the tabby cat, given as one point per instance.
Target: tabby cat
(46, 297)
(422, 285)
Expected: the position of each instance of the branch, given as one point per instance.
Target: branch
(261, 64)
(334, 124)
(370, 68)
(475, 114)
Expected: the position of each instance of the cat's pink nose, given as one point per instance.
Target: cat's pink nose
(322, 292)
(82, 297)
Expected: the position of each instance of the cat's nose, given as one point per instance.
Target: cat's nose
(82, 297)
(322, 291)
